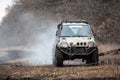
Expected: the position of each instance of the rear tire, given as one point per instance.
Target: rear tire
(58, 59)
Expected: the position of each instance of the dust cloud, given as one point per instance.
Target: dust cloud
(28, 37)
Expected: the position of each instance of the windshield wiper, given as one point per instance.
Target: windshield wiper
(79, 36)
(65, 36)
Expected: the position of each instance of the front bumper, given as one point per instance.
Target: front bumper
(74, 51)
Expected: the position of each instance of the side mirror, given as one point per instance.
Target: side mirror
(58, 26)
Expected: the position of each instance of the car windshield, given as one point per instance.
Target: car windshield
(76, 31)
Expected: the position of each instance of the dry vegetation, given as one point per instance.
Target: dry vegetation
(103, 15)
(68, 73)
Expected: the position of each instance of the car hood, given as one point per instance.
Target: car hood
(75, 40)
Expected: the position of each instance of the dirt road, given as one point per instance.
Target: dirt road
(108, 68)
(19, 72)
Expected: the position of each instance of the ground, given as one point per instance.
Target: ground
(108, 69)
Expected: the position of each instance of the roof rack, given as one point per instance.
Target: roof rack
(84, 21)
(81, 21)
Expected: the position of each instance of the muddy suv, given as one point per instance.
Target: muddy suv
(74, 39)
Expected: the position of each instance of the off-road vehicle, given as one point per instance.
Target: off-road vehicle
(75, 40)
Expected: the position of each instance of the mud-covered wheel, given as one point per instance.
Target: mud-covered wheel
(93, 58)
(58, 59)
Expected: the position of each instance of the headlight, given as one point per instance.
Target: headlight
(63, 44)
(91, 44)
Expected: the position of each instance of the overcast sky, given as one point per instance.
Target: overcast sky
(3, 5)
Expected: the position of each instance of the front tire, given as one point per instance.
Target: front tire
(58, 59)
(93, 58)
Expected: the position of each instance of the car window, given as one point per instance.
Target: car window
(77, 30)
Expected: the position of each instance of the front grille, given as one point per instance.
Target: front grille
(78, 50)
